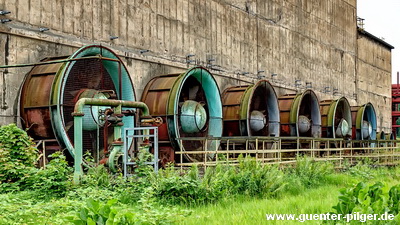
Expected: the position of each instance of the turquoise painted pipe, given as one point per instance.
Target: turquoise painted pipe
(78, 115)
(109, 102)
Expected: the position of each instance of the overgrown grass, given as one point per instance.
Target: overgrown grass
(224, 194)
(243, 210)
(298, 197)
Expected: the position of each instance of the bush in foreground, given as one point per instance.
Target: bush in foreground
(365, 199)
(17, 157)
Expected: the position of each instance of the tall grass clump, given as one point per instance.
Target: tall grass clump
(248, 178)
(307, 173)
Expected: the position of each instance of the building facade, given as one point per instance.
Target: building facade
(296, 45)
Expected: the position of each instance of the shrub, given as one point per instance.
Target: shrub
(54, 180)
(17, 157)
(254, 179)
(362, 169)
(174, 188)
(309, 172)
(369, 199)
(249, 178)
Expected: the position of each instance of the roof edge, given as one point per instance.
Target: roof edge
(373, 37)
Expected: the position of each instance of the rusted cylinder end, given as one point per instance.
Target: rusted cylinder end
(251, 110)
(336, 118)
(365, 125)
(190, 104)
(49, 93)
(300, 115)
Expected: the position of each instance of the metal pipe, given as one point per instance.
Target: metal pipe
(78, 148)
(58, 61)
(78, 115)
(120, 80)
(109, 102)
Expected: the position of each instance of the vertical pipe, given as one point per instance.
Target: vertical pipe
(78, 148)
(126, 150)
(155, 150)
(117, 128)
(120, 79)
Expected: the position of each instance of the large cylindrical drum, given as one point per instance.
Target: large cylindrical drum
(336, 118)
(251, 110)
(190, 104)
(300, 115)
(365, 124)
(50, 91)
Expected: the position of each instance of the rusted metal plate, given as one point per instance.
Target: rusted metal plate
(157, 102)
(285, 104)
(247, 110)
(155, 95)
(231, 103)
(324, 107)
(230, 109)
(35, 98)
(293, 106)
(354, 111)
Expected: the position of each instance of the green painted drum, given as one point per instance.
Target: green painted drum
(50, 91)
(190, 104)
(365, 124)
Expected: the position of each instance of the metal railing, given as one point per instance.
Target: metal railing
(137, 137)
(284, 150)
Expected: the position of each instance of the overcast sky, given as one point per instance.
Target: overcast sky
(382, 19)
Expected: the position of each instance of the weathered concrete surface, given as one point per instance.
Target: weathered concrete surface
(309, 41)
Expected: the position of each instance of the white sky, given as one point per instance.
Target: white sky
(382, 19)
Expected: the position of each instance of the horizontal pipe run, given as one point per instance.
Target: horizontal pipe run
(78, 114)
(108, 102)
(58, 61)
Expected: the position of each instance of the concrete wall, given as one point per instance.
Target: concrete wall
(374, 78)
(309, 41)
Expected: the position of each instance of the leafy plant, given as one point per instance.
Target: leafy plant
(17, 157)
(95, 212)
(369, 199)
(54, 180)
(113, 213)
(362, 169)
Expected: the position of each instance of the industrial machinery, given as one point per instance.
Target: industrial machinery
(364, 126)
(91, 85)
(336, 118)
(251, 110)
(84, 102)
(190, 106)
(300, 115)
